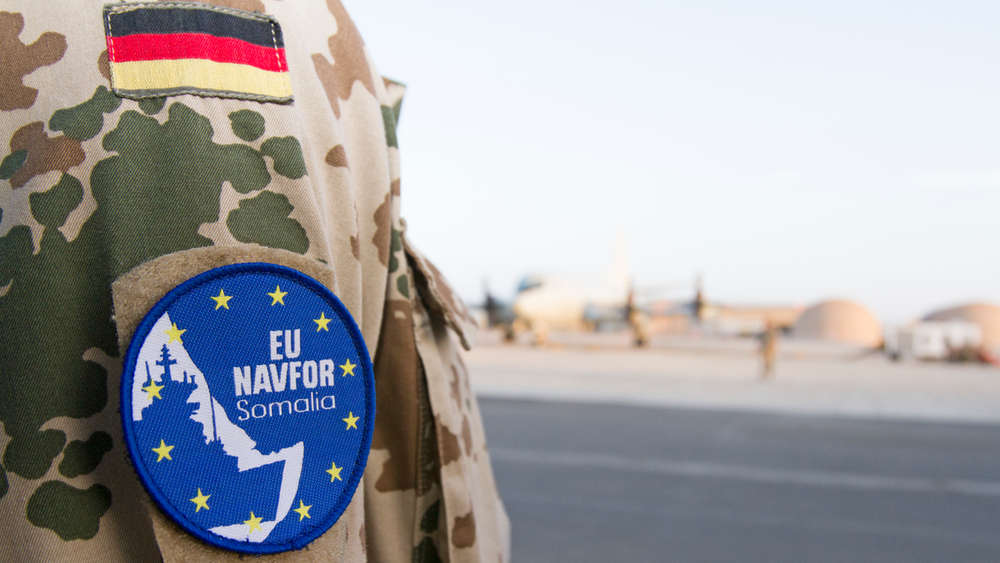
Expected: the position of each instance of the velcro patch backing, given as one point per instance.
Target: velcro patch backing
(168, 48)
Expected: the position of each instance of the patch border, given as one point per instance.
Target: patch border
(141, 94)
(125, 410)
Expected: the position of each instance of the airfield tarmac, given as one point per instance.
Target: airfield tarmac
(811, 377)
(680, 453)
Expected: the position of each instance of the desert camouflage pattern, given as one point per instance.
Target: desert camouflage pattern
(107, 203)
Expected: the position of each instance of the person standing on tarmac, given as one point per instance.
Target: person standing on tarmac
(768, 349)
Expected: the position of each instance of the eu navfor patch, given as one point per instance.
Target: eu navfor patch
(248, 406)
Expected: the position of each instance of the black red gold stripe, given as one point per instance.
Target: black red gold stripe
(193, 19)
(151, 47)
(158, 49)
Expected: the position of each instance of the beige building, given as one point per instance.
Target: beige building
(839, 320)
(985, 315)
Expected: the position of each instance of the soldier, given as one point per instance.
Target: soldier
(638, 321)
(133, 165)
(768, 349)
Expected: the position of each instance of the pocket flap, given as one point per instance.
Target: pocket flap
(438, 296)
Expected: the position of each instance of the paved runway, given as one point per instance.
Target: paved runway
(599, 482)
(725, 374)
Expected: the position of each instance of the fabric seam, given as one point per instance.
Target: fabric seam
(123, 8)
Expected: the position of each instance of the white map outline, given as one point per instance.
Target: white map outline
(216, 425)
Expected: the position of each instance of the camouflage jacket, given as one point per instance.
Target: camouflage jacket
(108, 202)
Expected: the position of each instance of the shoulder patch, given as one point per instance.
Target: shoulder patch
(248, 405)
(166, 48)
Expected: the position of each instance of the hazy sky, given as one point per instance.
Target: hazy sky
(788, 152)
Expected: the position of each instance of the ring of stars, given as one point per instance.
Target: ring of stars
(302, 305)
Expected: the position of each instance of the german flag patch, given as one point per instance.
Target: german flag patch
(169, 48)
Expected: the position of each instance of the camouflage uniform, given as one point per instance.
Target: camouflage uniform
(107, 203)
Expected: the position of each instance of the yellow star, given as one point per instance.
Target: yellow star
(334, 471)
(253, 522)
(163, 451)
(348, 368)
(221, 300)
(152, 390)
(277, 296)
(303, 510)
(351, 420)
(175, 334)
(200, 501)
(321, 322)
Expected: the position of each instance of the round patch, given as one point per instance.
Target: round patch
(248, 403)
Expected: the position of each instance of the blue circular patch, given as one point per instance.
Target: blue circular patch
(248, 403)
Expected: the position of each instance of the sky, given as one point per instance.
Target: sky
(787, 152)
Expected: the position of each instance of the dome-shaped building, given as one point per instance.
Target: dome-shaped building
(839, 320)
(985, 315)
